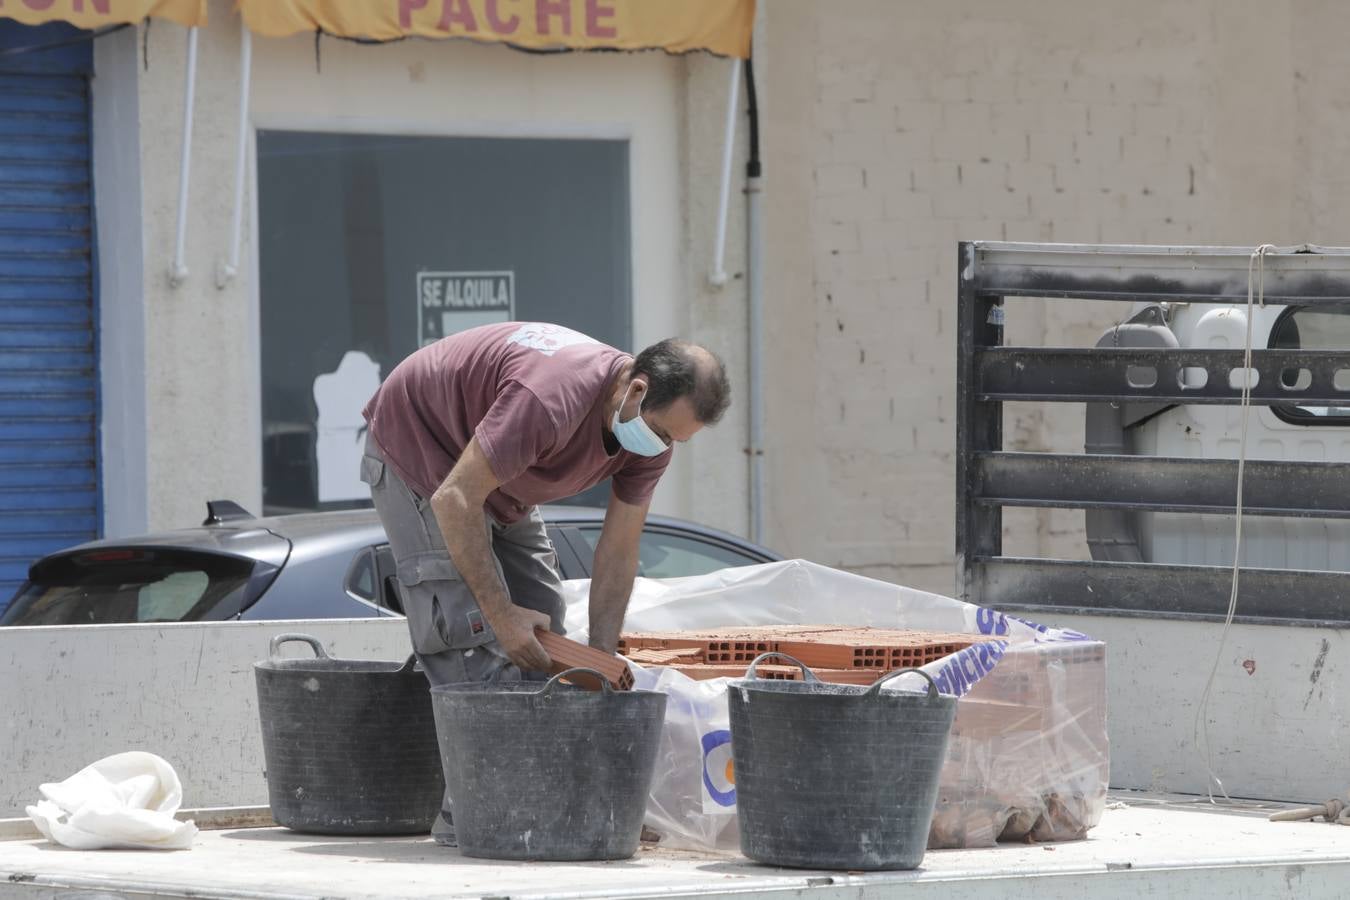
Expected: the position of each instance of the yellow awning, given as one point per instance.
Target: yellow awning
(677, 26)
(102, 13)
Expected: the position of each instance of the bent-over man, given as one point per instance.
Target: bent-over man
(468, 435)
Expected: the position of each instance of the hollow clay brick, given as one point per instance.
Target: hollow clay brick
(652, 657)
(568, 654)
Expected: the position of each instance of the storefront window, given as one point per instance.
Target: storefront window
(373, 245)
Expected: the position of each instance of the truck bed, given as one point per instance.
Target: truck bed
(1145, 845)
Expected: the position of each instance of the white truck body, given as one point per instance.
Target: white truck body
(77, 693)
(1149, 849)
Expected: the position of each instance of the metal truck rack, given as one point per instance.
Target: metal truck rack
(992, 277)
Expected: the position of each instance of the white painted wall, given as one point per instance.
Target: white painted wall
(202, 350)
(890, 131)
(895, 129)
(121, 303)
(202, 424)
(1277, 731)
(73, 694)
(467, 89)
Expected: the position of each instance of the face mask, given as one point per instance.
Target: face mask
(635, 435)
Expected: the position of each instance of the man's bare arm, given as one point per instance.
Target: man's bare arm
(458, 507)
(615, 567)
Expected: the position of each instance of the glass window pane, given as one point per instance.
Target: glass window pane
(361, 578)
(663, 555)
(172, 597)
(372, 245)
(119, 586)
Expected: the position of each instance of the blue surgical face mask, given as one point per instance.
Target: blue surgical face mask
(635, 435)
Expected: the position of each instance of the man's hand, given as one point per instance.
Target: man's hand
(516, 636)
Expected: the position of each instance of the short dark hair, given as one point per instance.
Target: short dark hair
(675, 369)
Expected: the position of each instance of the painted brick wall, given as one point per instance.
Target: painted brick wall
(895, 128)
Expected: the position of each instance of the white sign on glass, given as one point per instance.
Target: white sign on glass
(451, 302)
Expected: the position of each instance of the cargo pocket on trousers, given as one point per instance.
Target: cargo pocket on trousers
(372, 470)
(427, 626)
(442, 614)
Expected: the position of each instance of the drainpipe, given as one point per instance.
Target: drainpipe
(754, 199)
(179, 270)
(230, 267)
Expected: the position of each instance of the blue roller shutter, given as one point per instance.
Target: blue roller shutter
(49, 490)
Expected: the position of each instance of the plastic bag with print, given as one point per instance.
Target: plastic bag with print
(1028, 756)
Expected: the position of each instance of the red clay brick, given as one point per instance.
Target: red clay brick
(568, 654)
(772, 673)
(652, 657)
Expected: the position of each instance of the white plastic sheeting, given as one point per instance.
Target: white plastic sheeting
(124, 802)
(1028, 756)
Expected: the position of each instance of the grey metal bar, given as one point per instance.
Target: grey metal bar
(1155, 590)
(1110, 374)
(1307, 275)
(979, 424)
(1164, 484)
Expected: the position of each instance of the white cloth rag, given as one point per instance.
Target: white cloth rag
(124, 801)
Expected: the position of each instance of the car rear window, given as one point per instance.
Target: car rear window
(110, 586)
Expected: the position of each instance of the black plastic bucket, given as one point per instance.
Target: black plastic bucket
(548, 772)
(350, 745)
(835, 776)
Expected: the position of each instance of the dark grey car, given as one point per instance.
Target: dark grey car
(321, 565)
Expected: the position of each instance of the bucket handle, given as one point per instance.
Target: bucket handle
(280, 639)
(807, 674)
(409, 666)
(604, 682)
(876, 685)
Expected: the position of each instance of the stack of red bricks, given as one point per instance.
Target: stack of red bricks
(836, 653)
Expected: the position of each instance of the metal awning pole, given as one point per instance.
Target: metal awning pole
(179, 270)
(718, 276)
(230, 267)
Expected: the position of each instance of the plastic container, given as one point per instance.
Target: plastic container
(350, 745)
(548, 772)
(835, 776)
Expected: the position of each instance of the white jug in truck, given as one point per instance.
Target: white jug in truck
(1289, 431)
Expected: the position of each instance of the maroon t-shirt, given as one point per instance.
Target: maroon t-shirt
(533, 395)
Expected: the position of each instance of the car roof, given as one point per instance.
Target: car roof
(257, 537)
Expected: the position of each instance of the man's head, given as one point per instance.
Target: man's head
(679, 388)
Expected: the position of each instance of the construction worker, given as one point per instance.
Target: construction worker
(468, 435)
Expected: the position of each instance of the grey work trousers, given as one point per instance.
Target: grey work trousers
(450, 635)
(451, 638)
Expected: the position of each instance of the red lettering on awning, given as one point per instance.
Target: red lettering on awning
(545, 9)
(100, 6)
(594, 11)
(497, 23)
(457, 11)
(405, 11)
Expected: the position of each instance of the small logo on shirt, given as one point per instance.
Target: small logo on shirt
(476, 625)
(548, 339)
